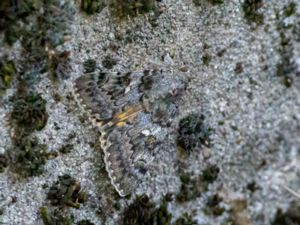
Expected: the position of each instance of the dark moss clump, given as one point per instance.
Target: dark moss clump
(66, 148)
(40, 26)
(144, 212)
(290, 217)
(287, 81)
(221, 52)
(124, 8)
(29, 112)
(191, 188)
(239, 68)
(89, 66)
(185, 219)
(55, 217)
(27, 157)
(213, 2)
(216, 2)
(213, 207)
(66, 192)
(252, 187)
(193, 133)
(287, 67)
(109, 62)
(49, 27)
(290, 9)
(3, 162)
(7, 72)
(85, 222)
(250, 8)
(92, 6)
(210, 174)
(59, 65)
(206, 59)
(14, 13)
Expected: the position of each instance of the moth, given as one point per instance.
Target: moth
(130, 110)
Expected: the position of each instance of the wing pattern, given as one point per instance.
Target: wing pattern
(126, 108)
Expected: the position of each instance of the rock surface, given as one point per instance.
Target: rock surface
(242, 60)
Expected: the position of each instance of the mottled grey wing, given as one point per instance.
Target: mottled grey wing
(117, 154)
(90, 97)
(127, 152)
(103, 95)
(112, 103)
(161, 92)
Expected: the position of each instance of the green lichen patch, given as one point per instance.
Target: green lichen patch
(185, 219)
(124, 8)
(55, 217)
(27, 157)
(92, 6)
(7, 72)
(66, 192)
(144, 212)
(29, 112)
(289, 217)
(251, 11)
(193, 133)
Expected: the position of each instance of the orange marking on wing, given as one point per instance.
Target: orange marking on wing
(121, 118)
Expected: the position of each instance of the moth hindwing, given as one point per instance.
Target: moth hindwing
(126, 108)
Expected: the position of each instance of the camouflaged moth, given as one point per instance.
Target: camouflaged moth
(129, 109)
